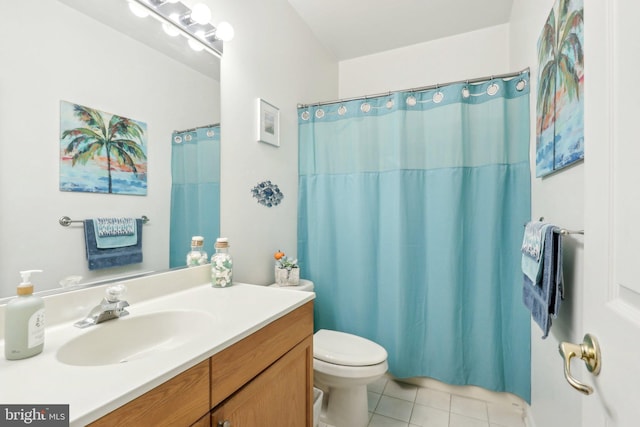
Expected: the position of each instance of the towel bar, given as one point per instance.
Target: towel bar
(563, 231)
(65, 221)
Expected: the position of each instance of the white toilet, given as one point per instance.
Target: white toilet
(343, 365)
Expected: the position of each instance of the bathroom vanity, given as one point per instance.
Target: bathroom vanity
(265, 379)
(199, 356)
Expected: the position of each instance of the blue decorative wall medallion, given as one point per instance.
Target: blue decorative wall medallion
(268, 194)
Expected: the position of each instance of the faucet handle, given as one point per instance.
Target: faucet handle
(116, 292)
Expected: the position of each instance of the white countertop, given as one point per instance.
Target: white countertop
(93, 391)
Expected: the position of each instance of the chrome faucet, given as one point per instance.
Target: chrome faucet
(111, 307)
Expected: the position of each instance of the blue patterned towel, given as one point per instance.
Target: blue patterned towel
(113, 257)
(543, 296)
(532, 249)
(533, 239)
(111, 227)
(115, 232)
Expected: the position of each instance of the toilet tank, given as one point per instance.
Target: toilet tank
(304, 285)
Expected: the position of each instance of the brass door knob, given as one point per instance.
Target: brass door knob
(589, 351)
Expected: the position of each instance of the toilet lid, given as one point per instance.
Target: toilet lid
(305, 285)
(345, 349)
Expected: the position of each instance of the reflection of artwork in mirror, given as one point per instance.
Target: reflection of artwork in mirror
(268, 123)
(101, 152)
(560, 105)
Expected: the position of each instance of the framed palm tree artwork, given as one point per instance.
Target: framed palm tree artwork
(560, 104)
(101, 152)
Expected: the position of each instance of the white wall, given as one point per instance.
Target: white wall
(465, 56)
(560, 199)
(61, 54)
(273, 56)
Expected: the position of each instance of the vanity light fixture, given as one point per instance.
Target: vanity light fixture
(194, 23)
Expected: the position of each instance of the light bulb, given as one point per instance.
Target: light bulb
(224, 31)
(200, 13)
(138, 10)
(170, 29)
(194, 44)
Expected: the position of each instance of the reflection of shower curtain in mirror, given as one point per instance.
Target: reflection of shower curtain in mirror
(410, 220)
(195, 191)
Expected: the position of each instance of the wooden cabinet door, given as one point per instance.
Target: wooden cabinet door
(280, 396)
(235, 366)
(203, 422)
(181, 401)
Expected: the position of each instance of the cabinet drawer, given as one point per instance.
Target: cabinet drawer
(181, 401)
(235, 366)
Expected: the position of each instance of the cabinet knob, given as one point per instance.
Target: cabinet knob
(225, 423)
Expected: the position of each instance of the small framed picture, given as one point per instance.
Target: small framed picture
(268, 123)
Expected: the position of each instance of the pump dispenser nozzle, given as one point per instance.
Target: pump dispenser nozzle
(26, 287)
(26, 275)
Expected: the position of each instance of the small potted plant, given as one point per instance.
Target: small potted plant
(287, 270)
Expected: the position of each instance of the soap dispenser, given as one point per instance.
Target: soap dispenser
(24, 322)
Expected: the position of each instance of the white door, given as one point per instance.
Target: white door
(611, 309)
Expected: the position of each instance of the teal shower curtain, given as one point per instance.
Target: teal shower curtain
(410, 221)
(195, 191)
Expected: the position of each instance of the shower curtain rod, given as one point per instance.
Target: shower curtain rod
(418, 89)
(196, 128)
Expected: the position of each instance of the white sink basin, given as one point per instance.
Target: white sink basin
(134, 337)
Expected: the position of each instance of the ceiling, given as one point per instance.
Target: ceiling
(348, 28)
(353, 28)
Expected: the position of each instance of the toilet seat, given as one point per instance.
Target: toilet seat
(340, 348)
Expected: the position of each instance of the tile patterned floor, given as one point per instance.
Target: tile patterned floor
(397, 404)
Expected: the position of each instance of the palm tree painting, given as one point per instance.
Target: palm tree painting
(560, 106)
(101, 152)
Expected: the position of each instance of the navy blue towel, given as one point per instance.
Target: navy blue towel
(543, 297)
(114, 257)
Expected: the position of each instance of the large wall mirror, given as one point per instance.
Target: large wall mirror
(97, 54)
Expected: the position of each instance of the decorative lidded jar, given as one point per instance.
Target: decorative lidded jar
(197, 256)
(221, 264)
